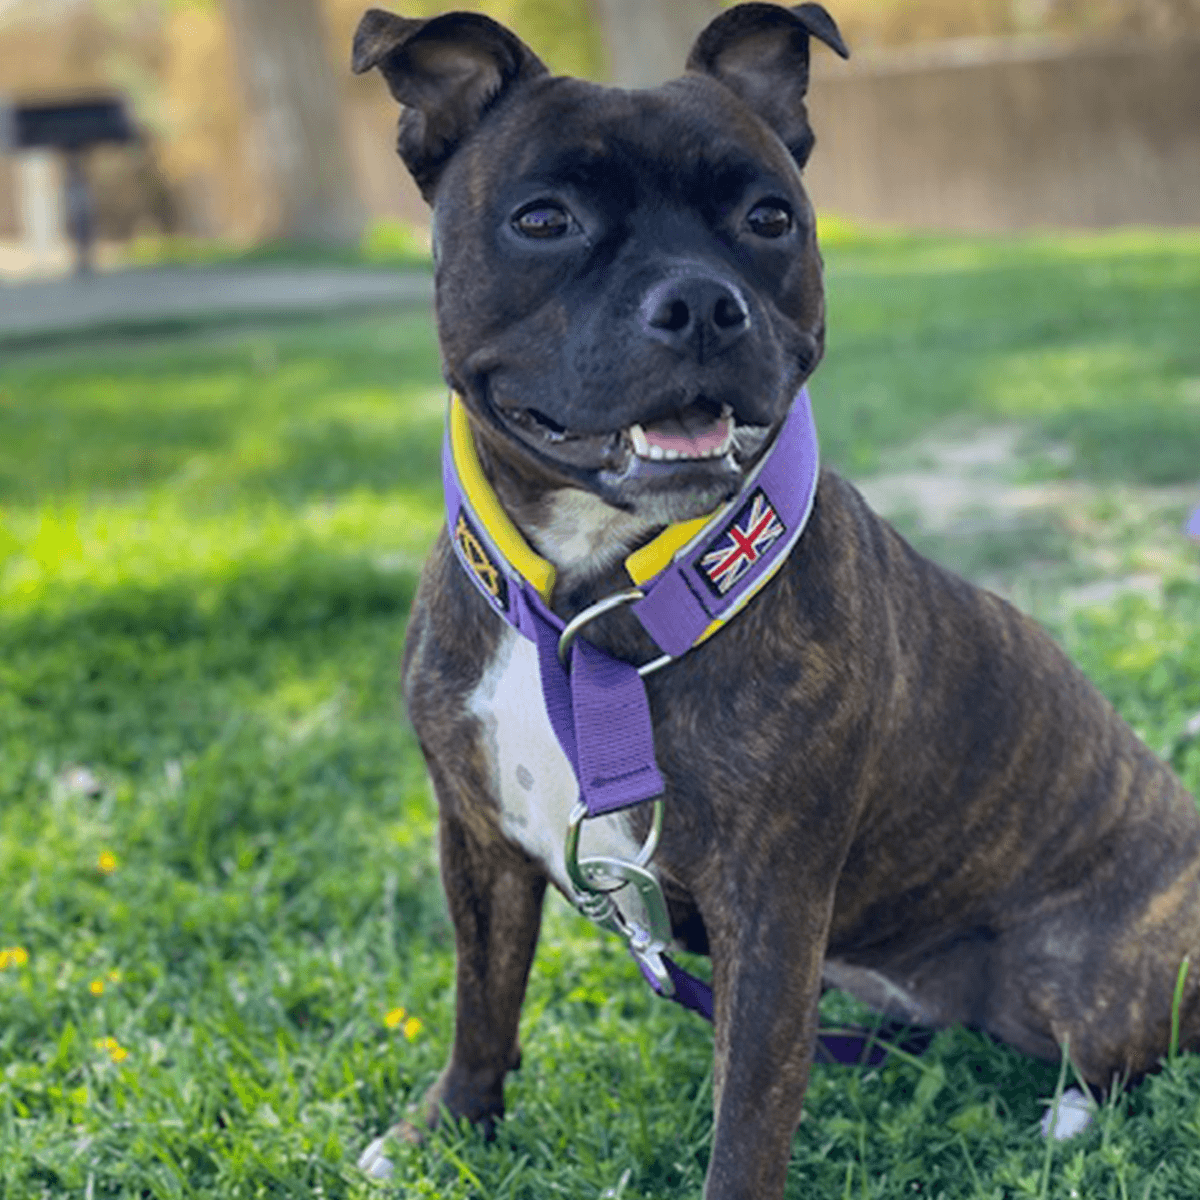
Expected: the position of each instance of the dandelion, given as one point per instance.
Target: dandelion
(114, 976)
(14, 956)
(107, 862)
(115, 1050)
(412, 1027)
(96, 987)
(395, 1018)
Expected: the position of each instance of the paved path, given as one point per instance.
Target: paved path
(153, 294)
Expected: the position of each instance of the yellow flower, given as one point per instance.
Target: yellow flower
(18, 956)
(96, 987)
(114, 976)
(4, 960)
(395, 1018)
(115, 1050)
(107, 862)
(412, 1027)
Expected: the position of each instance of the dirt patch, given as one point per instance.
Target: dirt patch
(987, 503)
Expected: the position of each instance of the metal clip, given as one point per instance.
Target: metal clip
(646, 927)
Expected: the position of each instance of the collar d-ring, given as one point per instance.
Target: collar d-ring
(588, 615)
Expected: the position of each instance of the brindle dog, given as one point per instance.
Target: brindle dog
(876, 774)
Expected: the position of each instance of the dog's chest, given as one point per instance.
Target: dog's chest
(529, 775)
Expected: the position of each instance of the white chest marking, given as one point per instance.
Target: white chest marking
(529, 773)
(582, 536)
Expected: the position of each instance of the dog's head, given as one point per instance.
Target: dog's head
(628, 284)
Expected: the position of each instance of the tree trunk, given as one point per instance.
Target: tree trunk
(648, 40)
(295, 108)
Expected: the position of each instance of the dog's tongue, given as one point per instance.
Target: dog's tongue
(692, 434)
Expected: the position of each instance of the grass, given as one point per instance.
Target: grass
(1088, 340)
(215, 832)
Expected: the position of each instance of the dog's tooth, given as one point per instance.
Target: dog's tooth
(671, 455)
(727, 443)
(641, 446)
(656, 452)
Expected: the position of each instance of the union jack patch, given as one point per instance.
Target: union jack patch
(475, 558)
(746, 539)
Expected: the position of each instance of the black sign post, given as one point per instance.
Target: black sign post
(71, 127)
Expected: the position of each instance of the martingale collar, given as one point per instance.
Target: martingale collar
(688, 582)
(695, 575)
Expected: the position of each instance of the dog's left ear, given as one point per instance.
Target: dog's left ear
(760, 51)
(447, 72)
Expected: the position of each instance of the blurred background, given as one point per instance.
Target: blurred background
(244, 124)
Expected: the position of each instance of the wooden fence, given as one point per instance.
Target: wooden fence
(1000, 135)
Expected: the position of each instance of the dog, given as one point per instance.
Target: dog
(871, 774)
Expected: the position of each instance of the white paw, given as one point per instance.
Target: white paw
(1074, 1115)
(374, 1162)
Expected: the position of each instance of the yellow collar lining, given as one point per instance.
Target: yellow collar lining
(642, 565)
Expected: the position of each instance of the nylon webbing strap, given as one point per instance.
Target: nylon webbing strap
(599, 713)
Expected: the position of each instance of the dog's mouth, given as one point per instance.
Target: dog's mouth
(692, 434)
(704, 433)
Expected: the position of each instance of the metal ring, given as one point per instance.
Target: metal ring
(579, 880)
(646, 853)
(589, 614)
(655, 664)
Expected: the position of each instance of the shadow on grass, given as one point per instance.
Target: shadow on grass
(136, 675)
(251, 753)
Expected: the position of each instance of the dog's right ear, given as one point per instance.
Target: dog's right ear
(760, 51)
(447, 72)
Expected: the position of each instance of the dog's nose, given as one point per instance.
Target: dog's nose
(696, 315)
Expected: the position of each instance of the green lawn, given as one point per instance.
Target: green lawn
(216, 852)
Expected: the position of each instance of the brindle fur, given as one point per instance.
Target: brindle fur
(877, 771)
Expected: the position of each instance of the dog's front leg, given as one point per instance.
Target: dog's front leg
(495, 898)
(766, 983)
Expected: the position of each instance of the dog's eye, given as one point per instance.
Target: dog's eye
(542, 220)
(769, 219)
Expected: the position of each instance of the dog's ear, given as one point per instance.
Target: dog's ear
(760, 51)
(446, 72)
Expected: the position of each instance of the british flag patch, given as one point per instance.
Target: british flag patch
(749, 536)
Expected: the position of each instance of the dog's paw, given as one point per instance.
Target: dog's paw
(1071, 1117)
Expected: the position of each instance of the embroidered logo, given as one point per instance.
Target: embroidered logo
(476, 559)
(751, 534)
